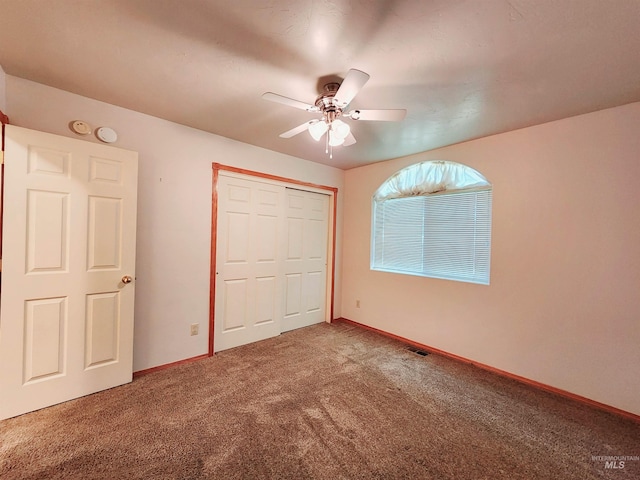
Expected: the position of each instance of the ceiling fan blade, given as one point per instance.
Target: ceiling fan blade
(274, 97)
(350, 140)
(378, 115)
(350, 87)
(298, 129)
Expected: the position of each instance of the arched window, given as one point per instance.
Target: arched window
(433, 219)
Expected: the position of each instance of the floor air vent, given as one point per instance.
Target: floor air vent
(417, 351)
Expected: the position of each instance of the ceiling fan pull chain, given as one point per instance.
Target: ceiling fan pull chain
(328, 148)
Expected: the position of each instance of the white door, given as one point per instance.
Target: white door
(305, 262)
(66, 311)
(248, 288)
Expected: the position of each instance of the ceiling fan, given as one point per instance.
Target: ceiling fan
(331, 104)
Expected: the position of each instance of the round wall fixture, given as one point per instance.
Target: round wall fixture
(106, 134)
(80, 127)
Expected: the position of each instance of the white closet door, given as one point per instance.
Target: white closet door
(248, 294)
(305, 263)
(69, 238)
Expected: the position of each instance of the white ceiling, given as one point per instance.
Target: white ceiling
(462, 69)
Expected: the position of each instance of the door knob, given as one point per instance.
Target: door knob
(127, 279)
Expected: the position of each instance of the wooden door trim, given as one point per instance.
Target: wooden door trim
(217, 167)
(4, 120)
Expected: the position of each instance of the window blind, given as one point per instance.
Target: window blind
(444, 236)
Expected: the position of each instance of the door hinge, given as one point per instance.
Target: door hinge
(1, 157)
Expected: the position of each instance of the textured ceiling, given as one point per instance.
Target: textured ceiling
(462, 69)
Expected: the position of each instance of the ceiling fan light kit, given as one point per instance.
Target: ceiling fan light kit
(331, 104)
(339, 129)
(318, 129)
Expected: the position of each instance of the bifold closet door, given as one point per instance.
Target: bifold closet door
(271, 260)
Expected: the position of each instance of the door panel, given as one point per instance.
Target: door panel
(293, 292)
(41, 160)
(265, 300)
(47, 234)
(294, 237)
(267, 232)
(45, 322)
(306, 261)
(315, 291)
(105, 170)
(237, 244)
(248, 285)
(105, 239)
(66, 318)
(235, 305)
(103, 324)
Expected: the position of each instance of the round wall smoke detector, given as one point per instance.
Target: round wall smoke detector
(106, 134)
(80, 127)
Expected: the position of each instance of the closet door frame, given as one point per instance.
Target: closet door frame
(277, 180)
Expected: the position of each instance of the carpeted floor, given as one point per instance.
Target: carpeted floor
(324, 402)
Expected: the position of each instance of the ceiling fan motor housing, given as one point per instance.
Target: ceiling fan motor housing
(326, 102)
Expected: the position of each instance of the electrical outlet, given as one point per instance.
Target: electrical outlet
(357, 303)
(194, 328)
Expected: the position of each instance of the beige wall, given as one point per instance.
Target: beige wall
(174, 208)
(563, 307)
